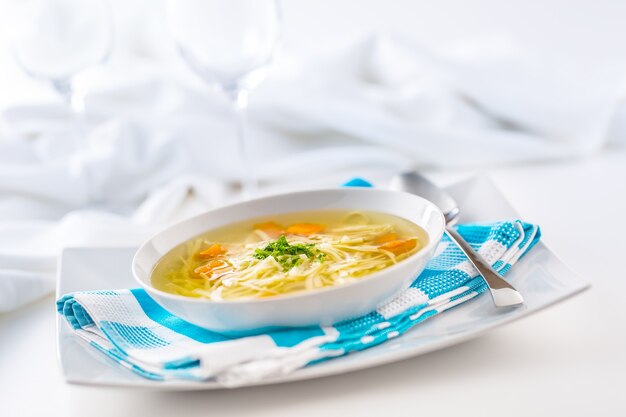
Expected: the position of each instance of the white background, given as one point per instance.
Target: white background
(568, 360)
(585, 33)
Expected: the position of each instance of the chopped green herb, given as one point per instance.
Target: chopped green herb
(288, 255)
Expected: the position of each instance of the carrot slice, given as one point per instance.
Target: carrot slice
(305, 229)
(210, 266)
(398, 247)
(212, 251)
(387, 237)
(270, 228)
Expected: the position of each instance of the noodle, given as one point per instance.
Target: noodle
(270, 261)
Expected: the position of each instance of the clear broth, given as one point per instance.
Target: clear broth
(180, 258)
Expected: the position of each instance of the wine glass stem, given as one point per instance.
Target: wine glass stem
(66, 90)
(76, 107)
(240, 112)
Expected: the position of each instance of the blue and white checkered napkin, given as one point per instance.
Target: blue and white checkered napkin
(134, 331)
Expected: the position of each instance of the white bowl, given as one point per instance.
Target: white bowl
(320, 307)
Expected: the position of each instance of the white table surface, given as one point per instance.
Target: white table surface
(568, 360)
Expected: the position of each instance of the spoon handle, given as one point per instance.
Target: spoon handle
(503, 294)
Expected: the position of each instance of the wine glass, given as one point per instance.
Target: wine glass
(54, 40)
(229, 44)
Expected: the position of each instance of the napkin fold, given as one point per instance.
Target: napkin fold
(137, 334)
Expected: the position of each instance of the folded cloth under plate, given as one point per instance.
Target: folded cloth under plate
(138, 334)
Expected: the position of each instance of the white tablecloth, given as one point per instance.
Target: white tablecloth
(379, 101)
(568, 360)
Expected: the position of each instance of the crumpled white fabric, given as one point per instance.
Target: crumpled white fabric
(156, 148)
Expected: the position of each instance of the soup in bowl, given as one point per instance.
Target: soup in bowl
(298, 259)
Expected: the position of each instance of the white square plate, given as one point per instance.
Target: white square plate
(540, 276)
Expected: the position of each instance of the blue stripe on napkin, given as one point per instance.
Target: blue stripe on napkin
(138, 334)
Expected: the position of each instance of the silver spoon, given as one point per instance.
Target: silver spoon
(503, 293)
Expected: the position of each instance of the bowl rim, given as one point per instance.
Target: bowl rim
(432, 241)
